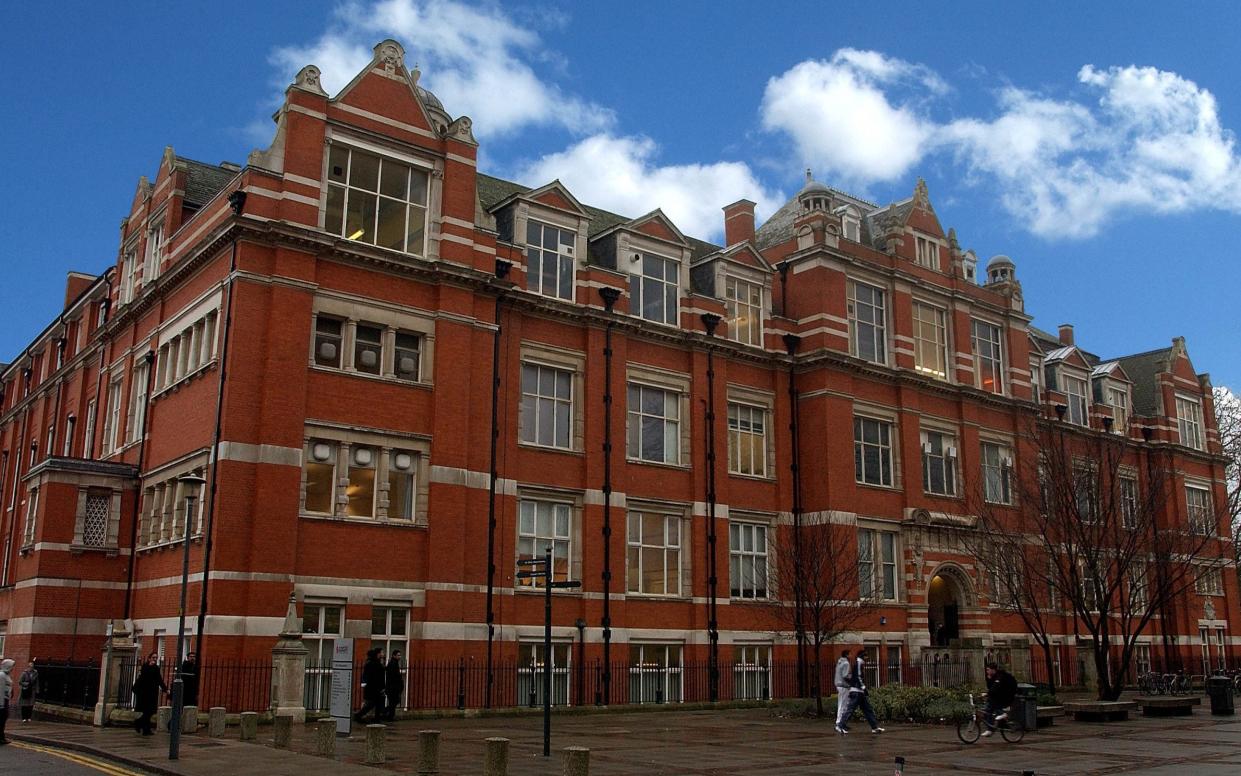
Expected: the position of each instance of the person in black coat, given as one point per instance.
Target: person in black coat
(394, 684)
(372, 686)
(146, 693)
(189, 680)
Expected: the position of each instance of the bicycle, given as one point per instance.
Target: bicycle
(970, 730)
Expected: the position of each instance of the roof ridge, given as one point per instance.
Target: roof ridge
(1144, 353)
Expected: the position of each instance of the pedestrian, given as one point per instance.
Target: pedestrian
(394, 684)
(372, 686)
(189, 680)
(841, 681)
(29, 683)
(146, 693)
(858, 692)
(6, 691)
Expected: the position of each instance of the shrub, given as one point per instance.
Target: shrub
(947, 710)
(895, 703)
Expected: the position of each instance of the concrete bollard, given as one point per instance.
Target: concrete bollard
(189, 720)
(376, 738)
(249, 725)
(162, 720)
(282, 732)
(428, 752)
(215, 721)
(325, 737)
(576, 761)
(495, 762)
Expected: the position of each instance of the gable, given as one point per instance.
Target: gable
(386, 88)
(656, 224)
(746, 256)
(658, 229)
(554, 199)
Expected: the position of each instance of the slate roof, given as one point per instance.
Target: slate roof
(203, 181)
(1143, 369)
(779, 228)
(492, 190)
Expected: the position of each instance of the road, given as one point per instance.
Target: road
(32, 760)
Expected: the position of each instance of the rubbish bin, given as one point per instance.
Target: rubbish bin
(1219, 690)
(1025, 706)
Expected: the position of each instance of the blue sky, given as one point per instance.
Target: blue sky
(1092, 142)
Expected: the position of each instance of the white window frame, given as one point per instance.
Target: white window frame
(416, 167)
(881, 567)
(1079, 400)
(938, 325)
(537, 254)
(994, 358)
(1002, 466)
(112, 420)
(746, 420)
(154, 252)
(739, 307)
(939, 450)
(926, 252)
(669, 306)
(749, 548)
(752, 672)
(1199, 509)
(1129, 500)
(865, 330)
(635, 416)
(1117, 397)
(1189, 421)
(528, 515)
(319, 656)
(32, 516)
(655, 677)
(885, 445)
(1036, 379)
(535, 404)
(672, 577)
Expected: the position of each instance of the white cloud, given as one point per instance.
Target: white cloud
(1153, 142)
(476, 60)
(620, 174)
(842, 119)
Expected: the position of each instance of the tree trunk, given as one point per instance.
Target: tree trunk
(1050, 663)
(1107, 691)
(818, 677)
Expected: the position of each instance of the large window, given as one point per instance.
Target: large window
(1189, 422)
(546, 406)
(530, 666)
(872, 451)
(876, 565)
(654, 424)
(1199, 509)
(997, 467)
(382, 350)
(112, 420)
(541, 524)
(655, 673)
(747, 439)
(365, 470)
(930, 340)
(137, 403)
(321, 626)
(1075, 390)
(1118, 400)
(654, 558)
(988, 355)
(653, 289)
(390, 630)
(868, 322)
(549, 260)
(939, 463)
(751, 672)
(376, 200)
(926, 252)
(1129, 502)
(744, 302)
(747, 560)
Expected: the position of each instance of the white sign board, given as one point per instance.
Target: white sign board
(341, 704)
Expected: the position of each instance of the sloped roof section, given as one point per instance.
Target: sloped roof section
(779, 228)
(203, 181)
(1144, 369)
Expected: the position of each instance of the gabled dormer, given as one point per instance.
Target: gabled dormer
(925, 245)
(741, 278)
(1068, 374)
(1112, 388)
(551, 226)
(656, 256)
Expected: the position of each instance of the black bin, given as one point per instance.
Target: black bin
(1025, 706)
(1219, 690)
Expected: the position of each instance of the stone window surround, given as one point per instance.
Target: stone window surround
(351, 311)
(890, 527)
(891, 416)
(667, 380)
(527, 210)
(671, 508)
(941, 248)
(928, 424)
(571, 361)
(85, 483)
(576, 501)
(770, 523)
(732, 268)
(631, 243)
(756, 397)
(401, 152)
(1199, 419)
(345, 437)
(156, 485)
(869, 278)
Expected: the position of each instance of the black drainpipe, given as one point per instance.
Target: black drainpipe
(609, 296)
(502, 269)
(236, 201)
(149, 357)
(710, 321)
(21, 453)
(784, 288)
(791, 341)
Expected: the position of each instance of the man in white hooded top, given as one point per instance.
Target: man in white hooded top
(6, 692)
(841, 680)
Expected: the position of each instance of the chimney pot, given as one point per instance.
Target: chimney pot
(1066, 334)
(738, 222)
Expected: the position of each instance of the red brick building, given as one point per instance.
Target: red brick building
(391, 367)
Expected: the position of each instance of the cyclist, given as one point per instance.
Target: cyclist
(1001, 692)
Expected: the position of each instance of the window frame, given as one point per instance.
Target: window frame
(415, 164)
(1200, 516)
(947, 457)
(737, 433)
(529, 434)
(879, 540)
(1193, 423)
(342, 443)
(571, 509)
(1078, 403)
(533, 276)
(1003, 464)
(670, 516)
(637, 291)
(997, 371)
(859, 450)
(733, 306)
(878, 332)
(739, 556)
(927, 252)
(941, 346)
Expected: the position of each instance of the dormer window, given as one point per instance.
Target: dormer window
(376, 200)
(744, 302)
(1075, 390)
(549, 260)
(850, 223)
(1117, 397)
(926, 252)
(1189, 422)
(653, 285)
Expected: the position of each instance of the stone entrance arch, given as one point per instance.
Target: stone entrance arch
(948, 592)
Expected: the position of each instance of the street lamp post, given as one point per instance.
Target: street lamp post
(191, 482)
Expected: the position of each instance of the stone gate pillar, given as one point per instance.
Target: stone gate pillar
(118, 662)
(288, 668)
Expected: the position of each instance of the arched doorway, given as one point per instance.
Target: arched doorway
(946, 595)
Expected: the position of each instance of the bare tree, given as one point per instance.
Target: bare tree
(1228, 418)
(1089, 517)
(814, 578)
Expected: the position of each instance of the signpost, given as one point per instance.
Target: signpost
(541, 568)
(341, 698)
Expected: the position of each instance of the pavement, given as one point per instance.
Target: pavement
(693, 743)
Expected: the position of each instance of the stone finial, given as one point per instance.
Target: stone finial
(415, 75)
(952, 239)
(809, 175)
(390, 54)
(921, 198)
(307, 79)
(292, 628)
(461, 129)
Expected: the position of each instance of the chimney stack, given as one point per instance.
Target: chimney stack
(738, 222)
(76, 284)
(1066, 334)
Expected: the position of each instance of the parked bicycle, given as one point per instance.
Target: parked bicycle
(971, 729)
